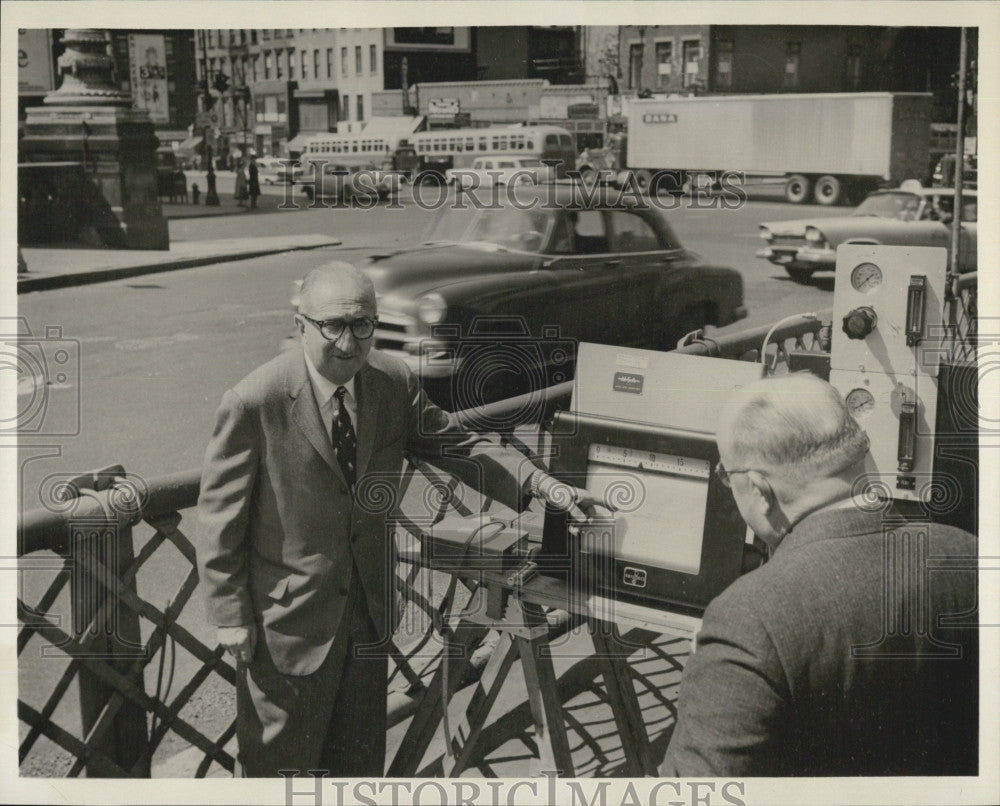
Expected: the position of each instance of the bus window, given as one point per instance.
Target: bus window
(565, 140)
(551, 139)
(470, 144)
(482, 143)
(531, 145)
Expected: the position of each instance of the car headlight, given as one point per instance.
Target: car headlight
(765, 233)
(813, 235)
(431, 308)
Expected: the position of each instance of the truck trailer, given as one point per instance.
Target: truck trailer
(828, 147)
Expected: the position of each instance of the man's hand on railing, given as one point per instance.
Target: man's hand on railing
(578, 502)
(240, 642)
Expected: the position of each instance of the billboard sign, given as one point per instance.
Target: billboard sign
(35, 72)
(148, 71)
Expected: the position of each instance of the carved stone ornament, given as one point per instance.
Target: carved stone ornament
(87, 71)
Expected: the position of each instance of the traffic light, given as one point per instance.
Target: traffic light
(220, 83)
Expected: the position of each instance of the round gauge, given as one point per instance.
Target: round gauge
(860, 402)
(866, 277)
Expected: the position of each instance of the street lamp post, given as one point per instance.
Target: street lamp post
(211, 195)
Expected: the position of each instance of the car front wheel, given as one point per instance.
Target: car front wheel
(799, 275)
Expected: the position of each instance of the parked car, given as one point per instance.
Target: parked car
(277, 171)
(907, 216)
(500, 170)
(339, 183)
(494, 301)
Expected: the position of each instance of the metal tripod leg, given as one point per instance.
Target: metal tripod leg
(624, 703)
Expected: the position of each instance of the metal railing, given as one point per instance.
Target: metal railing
(88, 541)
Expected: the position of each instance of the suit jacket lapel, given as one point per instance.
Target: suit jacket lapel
(369, 395)
(305, 413)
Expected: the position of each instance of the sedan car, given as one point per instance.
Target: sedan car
(275, 171)
(499, 170)
(494, 302)
(906, 216)
(340, 183)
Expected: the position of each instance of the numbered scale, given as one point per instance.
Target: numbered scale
(650, 460)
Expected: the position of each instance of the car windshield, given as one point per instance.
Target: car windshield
(504, 226)
(901, 206)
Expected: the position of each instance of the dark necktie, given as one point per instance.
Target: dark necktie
(345, 441)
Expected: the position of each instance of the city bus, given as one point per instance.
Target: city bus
(441, 149)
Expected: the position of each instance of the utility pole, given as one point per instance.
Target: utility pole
(211, 195)
(956, 217)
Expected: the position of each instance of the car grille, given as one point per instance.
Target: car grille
(787, 241)
(394, 331)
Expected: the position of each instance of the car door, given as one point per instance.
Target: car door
(640, 264)
(590, 283)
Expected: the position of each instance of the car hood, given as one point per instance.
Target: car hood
(417, 271)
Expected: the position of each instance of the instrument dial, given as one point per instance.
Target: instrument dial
(866, 277)
(860, 402)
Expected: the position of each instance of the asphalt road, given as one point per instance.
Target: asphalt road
(157, 352)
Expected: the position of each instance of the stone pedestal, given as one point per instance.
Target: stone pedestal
(88, 121)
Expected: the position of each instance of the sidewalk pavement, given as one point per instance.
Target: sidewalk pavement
(61, 268)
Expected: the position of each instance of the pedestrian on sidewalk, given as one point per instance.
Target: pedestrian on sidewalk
(254, 187)
(240, 191)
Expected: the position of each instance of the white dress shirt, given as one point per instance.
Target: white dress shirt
(323, 390)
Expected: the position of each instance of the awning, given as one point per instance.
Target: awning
(392, 128)
(190, 144)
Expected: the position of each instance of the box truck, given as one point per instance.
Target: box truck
(828, 147)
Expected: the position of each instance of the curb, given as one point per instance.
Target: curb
(28, 284)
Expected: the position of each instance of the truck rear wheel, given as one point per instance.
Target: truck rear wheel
(643, 179)
(797, 189)
(828, 190)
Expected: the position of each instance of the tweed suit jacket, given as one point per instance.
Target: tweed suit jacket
(280, 528)
(845, 654)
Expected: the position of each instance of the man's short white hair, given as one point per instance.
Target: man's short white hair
(793, 425)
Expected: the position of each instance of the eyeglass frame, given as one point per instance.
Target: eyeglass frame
(319, 324)
(723, 473)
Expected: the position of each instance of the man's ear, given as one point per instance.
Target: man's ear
(761, 492)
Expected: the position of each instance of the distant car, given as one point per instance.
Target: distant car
(502, 170)
(906, 216)
(493, 302)
(275, 171)
(339, 183)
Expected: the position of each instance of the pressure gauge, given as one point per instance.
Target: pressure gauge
(860, 402)
(866, 277)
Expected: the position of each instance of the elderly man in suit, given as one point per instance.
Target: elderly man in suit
(843, 654)
(294, 557)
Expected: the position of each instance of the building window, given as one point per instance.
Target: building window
(291, 65)
(357, 60)
(279, 67)
(345, 106)
(664, 63)
(315, 64)
(692, 62)
(372, 59)
(343, 61)
(854, 67)
(793, 51)
(266, 33)
(724, 65)
(329, 62)
(304, 62)
(268, 64)
(253, 36)
(361, 107)
(635, 66)
(254, 61)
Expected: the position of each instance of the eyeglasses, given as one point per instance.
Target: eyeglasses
(724, 474)
(333, 329)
